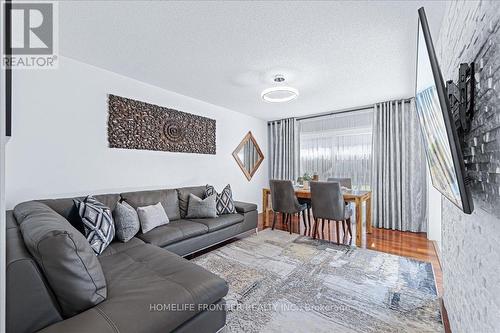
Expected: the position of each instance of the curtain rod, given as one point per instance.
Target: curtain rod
(353, 109)
(329, 113)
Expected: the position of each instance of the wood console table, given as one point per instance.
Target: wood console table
(358, 197)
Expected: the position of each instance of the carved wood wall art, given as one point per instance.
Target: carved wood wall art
(134, 124)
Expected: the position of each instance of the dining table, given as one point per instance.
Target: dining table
(358, 197)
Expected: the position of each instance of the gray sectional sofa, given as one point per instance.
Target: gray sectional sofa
(150, 287)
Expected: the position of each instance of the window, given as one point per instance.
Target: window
(338, 145)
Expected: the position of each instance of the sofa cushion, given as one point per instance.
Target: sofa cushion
(66, 258)
(67, 209)
(118, 246)
(144, 280)
(65, 205)
(168, 198)
(183, 194)
(214, 224)
(173, 232)
(97, 221)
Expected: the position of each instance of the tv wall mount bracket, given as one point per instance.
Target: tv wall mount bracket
(461, 97)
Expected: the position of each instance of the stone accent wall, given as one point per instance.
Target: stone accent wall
(470, 253)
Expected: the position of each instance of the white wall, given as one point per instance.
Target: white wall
(59, 146)
(434, 210)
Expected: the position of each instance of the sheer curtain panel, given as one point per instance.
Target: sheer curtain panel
(338, 145)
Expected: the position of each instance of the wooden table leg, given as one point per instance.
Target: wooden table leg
(369, 215)
(359, 223)
(264, 208)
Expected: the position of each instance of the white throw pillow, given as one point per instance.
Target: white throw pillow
(152, 216)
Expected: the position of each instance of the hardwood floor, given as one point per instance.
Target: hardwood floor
(407, 244)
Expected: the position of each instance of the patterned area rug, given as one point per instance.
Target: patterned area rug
(289, 283)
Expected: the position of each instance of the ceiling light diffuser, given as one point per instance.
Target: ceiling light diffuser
(279, 94)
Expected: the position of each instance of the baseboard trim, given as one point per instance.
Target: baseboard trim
(438, 252)
(444, 316)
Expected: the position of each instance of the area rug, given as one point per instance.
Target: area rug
(290, 283)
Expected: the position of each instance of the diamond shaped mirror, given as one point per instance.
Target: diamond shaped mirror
(248, 155)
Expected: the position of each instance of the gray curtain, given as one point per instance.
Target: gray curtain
(399, 180)
(283, 155)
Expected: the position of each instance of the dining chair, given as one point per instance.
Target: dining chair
(327, 203)
(285, 201)
(345, 182)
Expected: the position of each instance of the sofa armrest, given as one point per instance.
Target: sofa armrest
(244, 207)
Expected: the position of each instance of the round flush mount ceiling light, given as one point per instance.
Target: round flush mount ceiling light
(279, 94)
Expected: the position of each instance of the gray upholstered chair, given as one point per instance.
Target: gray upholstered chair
(328, 204)
(285, 202)
(345, 182)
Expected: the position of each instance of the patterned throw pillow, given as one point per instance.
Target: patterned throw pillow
(224, 200)
(97, 223)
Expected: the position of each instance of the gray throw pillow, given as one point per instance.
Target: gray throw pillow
(184, 193)
(127, 223)
(68, 262)
(152, 216)
(201, 208)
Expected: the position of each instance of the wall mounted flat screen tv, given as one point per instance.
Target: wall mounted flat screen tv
(442, 145)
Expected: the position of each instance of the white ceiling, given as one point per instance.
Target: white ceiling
(338, 54)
